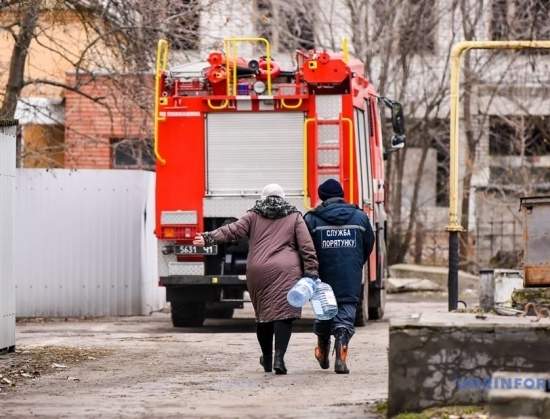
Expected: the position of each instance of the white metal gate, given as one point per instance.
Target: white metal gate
(246, 151)
(7, 187)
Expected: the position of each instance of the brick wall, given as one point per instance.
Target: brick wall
(122, 109)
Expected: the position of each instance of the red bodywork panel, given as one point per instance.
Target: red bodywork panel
(180, 182)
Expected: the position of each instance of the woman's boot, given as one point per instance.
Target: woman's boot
(279, 363)
(283, 331)
(266, 361)
(322, 351)
(264, 332)
(341, 349)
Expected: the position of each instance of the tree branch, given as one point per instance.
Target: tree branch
(98, 99)
(17, 61)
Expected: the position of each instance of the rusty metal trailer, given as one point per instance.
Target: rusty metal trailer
(536, 239)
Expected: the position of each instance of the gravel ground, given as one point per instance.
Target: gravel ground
(146, 368)
(31, 363)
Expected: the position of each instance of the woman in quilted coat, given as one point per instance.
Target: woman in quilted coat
(280, 252)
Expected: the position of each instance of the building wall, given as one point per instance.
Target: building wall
(123, 112)
(60, 42)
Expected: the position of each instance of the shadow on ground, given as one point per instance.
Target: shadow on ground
(238, 325)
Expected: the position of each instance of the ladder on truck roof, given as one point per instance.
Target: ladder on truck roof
(329, 153)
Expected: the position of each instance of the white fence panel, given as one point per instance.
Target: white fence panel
(7, 187)
(86, 245)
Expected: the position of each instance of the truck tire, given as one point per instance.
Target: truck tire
(379, 293)
(362, 314)
(376, 313)
(188, 314)
(220, 313)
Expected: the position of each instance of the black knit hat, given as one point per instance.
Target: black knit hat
(330, 188)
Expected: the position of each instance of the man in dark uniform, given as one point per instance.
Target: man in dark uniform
(343, 238)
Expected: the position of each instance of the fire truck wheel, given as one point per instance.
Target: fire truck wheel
(220, 313)
(379, 296)
(376, 313)
(188, 314)
(362, 308)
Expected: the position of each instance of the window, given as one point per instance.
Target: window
(515, 142)
(442, 173)
(367, 185)
(183, 24)
(287, 25)
(502, 137)
(519, 135)
(132, 154)
(418, 26)
(537, 137)
(362, 136)
(520, 19)
(525, 180)
(499, 19)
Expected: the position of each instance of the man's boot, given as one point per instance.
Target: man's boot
(341, 349)
(322, 351)
(279, 363)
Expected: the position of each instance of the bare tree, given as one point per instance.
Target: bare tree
(494, 76)
(398, 41)
(27, 17)
(119, 40)
(406, 60)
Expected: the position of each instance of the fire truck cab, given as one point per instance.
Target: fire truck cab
(229, 126)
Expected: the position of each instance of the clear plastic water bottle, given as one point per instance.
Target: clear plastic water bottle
(323, 301)
(301, 292)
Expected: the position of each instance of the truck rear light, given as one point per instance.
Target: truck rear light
(189, 232)
(179, 232)
(169, 232)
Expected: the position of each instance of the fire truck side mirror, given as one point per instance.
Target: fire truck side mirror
(398, 125)
(397, 142)
(398, 120)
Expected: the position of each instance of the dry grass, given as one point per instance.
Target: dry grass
(448, 412)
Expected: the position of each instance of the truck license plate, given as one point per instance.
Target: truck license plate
(189, 249)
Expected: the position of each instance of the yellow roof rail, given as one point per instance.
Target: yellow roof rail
(231, 54)
(161, 65)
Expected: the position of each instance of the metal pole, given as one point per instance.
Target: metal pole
(453, 270)
(454, 226)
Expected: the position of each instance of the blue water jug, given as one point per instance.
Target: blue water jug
(301, 292)
(323, 301)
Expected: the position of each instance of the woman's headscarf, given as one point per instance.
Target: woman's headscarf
(273, 204)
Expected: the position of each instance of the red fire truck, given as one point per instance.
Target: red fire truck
(227, 127)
